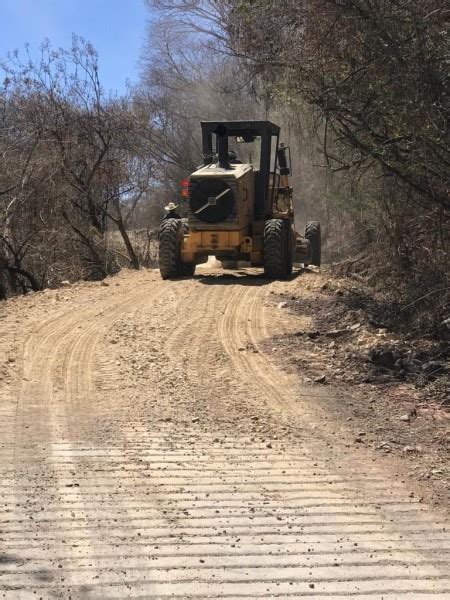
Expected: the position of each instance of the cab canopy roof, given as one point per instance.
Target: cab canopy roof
(239, 128)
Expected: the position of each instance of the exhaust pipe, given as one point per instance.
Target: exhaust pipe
(222, 143)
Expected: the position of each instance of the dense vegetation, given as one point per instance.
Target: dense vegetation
(358, 86)
(374, 75)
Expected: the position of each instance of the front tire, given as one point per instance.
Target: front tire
(313, 234)
(277, 245)
(170, 238)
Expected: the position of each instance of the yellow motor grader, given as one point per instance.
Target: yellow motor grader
(240, 206)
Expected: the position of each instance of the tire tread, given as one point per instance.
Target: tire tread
(169, 249)
(277, 249)
(313, 234)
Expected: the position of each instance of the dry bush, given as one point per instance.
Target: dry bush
(75, 164)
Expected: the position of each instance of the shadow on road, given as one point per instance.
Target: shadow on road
(238, 277)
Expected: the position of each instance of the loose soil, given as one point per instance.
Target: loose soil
(167, 439)
(338, 344)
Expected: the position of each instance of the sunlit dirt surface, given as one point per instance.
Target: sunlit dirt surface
(151, 448)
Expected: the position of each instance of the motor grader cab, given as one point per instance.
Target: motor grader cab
(240, 206)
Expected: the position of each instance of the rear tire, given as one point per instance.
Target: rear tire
(313, 234)
(170, 238)
(277, 245)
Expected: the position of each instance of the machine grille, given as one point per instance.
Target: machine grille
(211, 200)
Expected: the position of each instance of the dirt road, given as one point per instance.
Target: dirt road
(149, 448)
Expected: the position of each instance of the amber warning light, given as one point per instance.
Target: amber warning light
(185, 188)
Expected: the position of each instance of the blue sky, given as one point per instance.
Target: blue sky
(116, 28)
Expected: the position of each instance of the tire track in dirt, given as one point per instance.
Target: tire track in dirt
(70, 340)
(284, 392)
(33, 435)
(84, 461)
(206, 474)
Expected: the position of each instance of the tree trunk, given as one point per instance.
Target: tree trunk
(134, 260)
